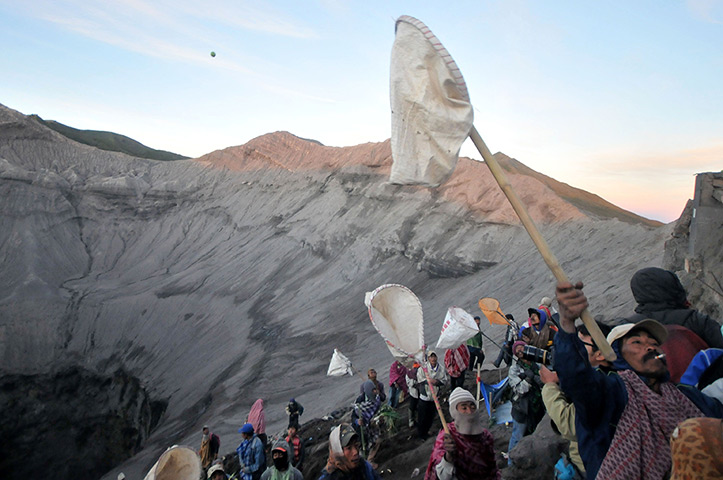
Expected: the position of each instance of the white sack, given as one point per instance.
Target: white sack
(176, 463)
(396, 313)
(431, 111)
(339, 365)
(459, 326)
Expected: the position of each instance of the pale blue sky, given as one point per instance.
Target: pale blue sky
(621, 98)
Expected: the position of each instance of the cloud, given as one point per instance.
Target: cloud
(687, 161)
(709, 11)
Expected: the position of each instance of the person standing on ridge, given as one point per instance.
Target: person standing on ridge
(397, 383)
(426, 408)
(372, 375)
(474, 345)
(251, 455)
(294, 410)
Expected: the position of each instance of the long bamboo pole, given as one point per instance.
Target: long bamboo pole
(537, 238)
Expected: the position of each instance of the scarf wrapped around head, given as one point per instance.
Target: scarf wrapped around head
(337, 460)
(397, 374)
(257, 418)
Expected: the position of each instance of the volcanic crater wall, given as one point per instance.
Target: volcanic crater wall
(214, 285)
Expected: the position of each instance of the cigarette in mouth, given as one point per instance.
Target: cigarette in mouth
(660, 357)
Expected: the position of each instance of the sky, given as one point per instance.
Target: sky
(623, 99)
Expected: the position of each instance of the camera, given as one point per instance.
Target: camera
(538, 355)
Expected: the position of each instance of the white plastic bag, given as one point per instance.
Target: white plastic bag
(459, 326)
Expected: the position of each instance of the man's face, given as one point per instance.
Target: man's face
(594, 355)
(205, 431)
(372, 374)
(217, 475)
(535, 320)
(477, 320)
(639, 349)
(433, 360)
(518, 351)
(466, 407)
(351, 452)
(292, 431)
(246, 436)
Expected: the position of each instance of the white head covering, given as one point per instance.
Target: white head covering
(459, 395)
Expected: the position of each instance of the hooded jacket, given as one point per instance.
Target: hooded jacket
(541, 337)
(291, 473)
(661, 296)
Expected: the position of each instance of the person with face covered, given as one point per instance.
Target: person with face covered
(467, 451)
(540, 333)
(282, 468)
(365, 408)
(345, 461)
(623, 421)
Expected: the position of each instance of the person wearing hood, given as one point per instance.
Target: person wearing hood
(365, 408)
(661, 296)
(397, 383)
(282, 468)
(251, 455)
(468, 450)
(345, 461)
(623, 420)
(294, 410)
(216, 472)
(540, 333)
(372, 375)
(257, 418)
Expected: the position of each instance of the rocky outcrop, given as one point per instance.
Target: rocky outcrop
(218, 281)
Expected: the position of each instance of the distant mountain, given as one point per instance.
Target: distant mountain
(110, 141)
(471, 185)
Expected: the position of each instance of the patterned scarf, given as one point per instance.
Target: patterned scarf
(640, 448)
(697, 445)
(457, 360)
(475, 454)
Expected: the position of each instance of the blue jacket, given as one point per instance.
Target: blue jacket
(251, 456)
(600, 398)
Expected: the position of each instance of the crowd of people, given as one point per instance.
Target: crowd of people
(625, 419)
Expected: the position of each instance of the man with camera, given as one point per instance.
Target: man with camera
(527, 407)
(540, 333)
(623, 420)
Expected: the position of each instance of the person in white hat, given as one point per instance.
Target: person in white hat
(623, 420)
(467, 451)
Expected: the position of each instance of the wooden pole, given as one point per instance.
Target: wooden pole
(434, 397)
(537, 238)
(478, 384)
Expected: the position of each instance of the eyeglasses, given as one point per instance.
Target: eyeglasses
(591, 345)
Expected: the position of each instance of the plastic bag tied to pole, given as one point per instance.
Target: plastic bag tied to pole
(339, 366)
(431, 110)
(458, 327)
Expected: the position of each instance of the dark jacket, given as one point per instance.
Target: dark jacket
(661, 296)
(600, 399)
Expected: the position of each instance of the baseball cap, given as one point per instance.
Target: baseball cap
(346, 434)
(653, 327)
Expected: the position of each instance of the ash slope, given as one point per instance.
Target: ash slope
(232, 277)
